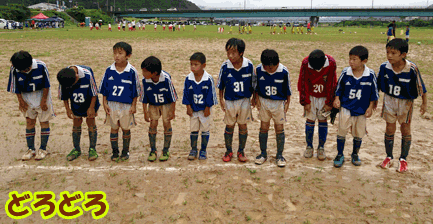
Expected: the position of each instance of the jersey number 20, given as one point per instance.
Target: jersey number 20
(318, 88)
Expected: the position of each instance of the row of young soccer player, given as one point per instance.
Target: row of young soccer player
(241, 86)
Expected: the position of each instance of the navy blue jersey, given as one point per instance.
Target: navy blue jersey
(120, 87)
(200, 94)
(81, 93)
(37, 79)
(238, 84)
(407, 31)
(274, 86)
(159, 93)
(357, 93)
(407, 84)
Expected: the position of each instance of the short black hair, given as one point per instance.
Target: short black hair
(66, 77)
(317, 59)
(269, 57)
(152, 64)
(359, 51)
(398, 44)
(21, 60)
(198, 56)
(237, 44)
(124, 46)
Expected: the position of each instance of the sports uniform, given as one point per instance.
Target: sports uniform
(407, 34)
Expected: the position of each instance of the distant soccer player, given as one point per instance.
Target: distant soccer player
(155, 26)
(77, 85)
(159, 100)
(316, 85)
(124, 25)
(29, 80)
(118, 25)
(133, 25)
(407, 33)
(109, 27)
(199, 96)
(355, 96)
(272, 97)
(91, 25)
(400, 80)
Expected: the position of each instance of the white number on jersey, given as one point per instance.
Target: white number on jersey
(33, 86)
(355, 93)
(271, 90)
(198, 99)
(78, 98)
(159, 98)
(394, 90)
(120, 88)
(318, 88)
(239, 87)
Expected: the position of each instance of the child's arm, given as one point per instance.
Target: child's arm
(206, 111)
(68, 109)
(337, 102)
(91, 111)
(23, 106)
(106, 107)
(286, 104)
(257, 100)
(222, 102)
(172, 113)
(254, 84)
(146, 113)
(369, 111)
(133, 108)
(189, 110)
(424, 104)
(45, 92)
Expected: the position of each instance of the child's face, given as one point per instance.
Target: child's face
(233, 55)
(355, 62)
(120, 56)
(197, 67)
(270, 68)
(394, 56)
(147, 74)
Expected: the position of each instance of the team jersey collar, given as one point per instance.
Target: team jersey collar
(161, 78)
(80, 72)
(366, 72)
(324, 66)
(406, 68)
(205, 77)
(127, 68)
(244, 63)
(279, 69)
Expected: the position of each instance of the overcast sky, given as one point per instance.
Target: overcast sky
(307, 3)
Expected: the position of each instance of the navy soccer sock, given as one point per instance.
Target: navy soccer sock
(389, 145)
(281, 137)
(76, 136)
(309, 133)
(323, 133)
(228, 138)
(45, 135)
(340, 144)
(356, 145)
(204, 140)
(30, 138)
(194, 138)
(405, 146)
(263, 140)
(167, 139)
(152, 138)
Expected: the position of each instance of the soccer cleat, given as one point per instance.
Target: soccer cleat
(321, 154)
(387, 163)
(260, 159)
(125, 155)
(29, 154)
(115, 155)
(402, 166)
(228, 156)
(338, 161)
(92, 154)
(73, 154)
(152, 156)
(165, 155)
(242, 157)
(202, 155)
(308, 152)
(192, 155)
(355, 160)
(281, 161)
(41, 154)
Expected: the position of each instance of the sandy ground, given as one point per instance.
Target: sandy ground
(211, 191)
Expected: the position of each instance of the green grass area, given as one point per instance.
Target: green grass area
(324, 34)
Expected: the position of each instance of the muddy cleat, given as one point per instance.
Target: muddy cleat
(165, 155)
(387, 163)
(321, 154)
(73, 154)
(115, 155)
(92, 154)
(355, 160)
(281, 161)
(41, 154)
(260, 159)
(152, 156)
(202, 155)
(29, 154)
(125, 155)
(192, 155)
(308, 152)
(242, 157)
(228, 156)
(338, 161)
(402, 166)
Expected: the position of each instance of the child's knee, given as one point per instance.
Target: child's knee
(152, 130)
(279, 128)
(405, 129)
(45, 124)
(265, 126)
(89, 121)
(390, 128)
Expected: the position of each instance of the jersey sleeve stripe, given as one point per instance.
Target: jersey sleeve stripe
(339, 80)
(419, 83)
(221, 72)
(138, 84)
(93, 85)
(214, 95)
(288, 78)
(375, 85)
(13, 83)
(172, 90)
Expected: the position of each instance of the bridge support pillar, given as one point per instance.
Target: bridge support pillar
(314, 20)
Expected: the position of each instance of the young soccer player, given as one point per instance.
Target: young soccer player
(124, 25)
(316, 86)
(401, 82)
(133, 25)
(77, 85)
(272, 99)
(109, 27)
(91, 25)
(163, 27)
(355, 96)
(97, 26)
(407, 33)
(159, 99)
(121, 88)
(183, 27)
(199, 96)
(236, 83)
(29, 80)
(195, 27)
(155, 26)
(118, 26)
